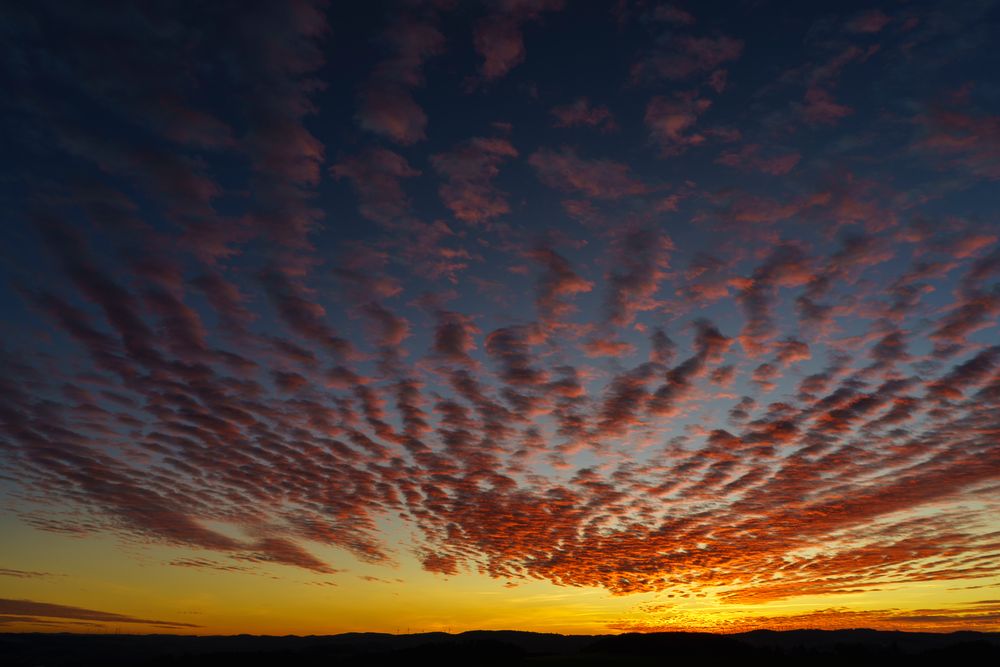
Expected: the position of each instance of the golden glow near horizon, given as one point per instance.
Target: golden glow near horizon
(91, 574)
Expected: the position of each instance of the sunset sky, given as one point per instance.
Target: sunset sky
(551, 315)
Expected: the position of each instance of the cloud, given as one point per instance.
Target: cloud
(454, 337)
(26, 611)
(411, 42)
(498, 38)
(820, 108)
(433, 562)
(285, 156)
(557, 282)
(386, 105)
(869, 22)
(366, 286)
(643, 254)
(500, 43)
(710, 345)
(687, 55)
(580, 365)
(23, 574)
(511, 348)
(966, 141)
(469, 170)
(670, 121)
(600, 179)
(973, 311)
(377, 177)
(579, 112)
(492, 424)
(607, 347)
(302, 315)
(623, 401)
(786, 266)
(391, 111)
(673, 14)
(229, 302)
(279, 550)
(790, 351)
(966, 375)
(749, 157)
(934, 619)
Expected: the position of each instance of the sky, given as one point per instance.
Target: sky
(544, 315)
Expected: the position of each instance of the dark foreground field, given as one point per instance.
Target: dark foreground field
(802, 647)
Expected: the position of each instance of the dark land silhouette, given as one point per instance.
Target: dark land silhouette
(761, 647)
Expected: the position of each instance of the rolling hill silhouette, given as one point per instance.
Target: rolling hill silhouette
(762, 647)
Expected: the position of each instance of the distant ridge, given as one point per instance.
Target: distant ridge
(506, 647)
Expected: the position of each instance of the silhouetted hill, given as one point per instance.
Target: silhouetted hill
(762, 647)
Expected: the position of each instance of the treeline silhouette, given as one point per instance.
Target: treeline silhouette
(762, 647)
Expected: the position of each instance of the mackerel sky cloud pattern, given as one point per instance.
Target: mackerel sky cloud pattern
(693, 301)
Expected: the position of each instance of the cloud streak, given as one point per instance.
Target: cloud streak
(27, 611)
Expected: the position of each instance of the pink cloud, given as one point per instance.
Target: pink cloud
(500, 42)
(673, 14)
(965, 140)
(870, 21)
(686, 56)
(821, 109)
(498, 38)
(601, 179)
(454, 337)
(607, 347)
(411, 43)
(580, 112)
(376, 175)
(386, 104)
(640, 265)
(469, 170)
(670, 121)
(392, 112)
(750, 157)
(556, 284)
